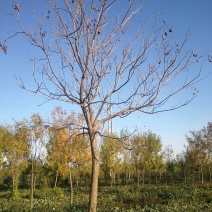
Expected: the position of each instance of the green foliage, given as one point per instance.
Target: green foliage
(117, 198)
(145, 164)
(110, 157)
(16, 193)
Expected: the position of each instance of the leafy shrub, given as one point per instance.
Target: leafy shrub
(48, 192)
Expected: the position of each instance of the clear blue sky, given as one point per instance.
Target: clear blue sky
(171, 126)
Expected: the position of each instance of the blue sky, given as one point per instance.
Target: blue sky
(171, 126)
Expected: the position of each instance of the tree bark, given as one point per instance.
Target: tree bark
(202, 175)
(94, 175)
(32, 186)
(129, 177)
(13, 181)
(113, 177)
(78, 180)
(71, 185)
(209, 172)
(143, 177)
(138, 176)
(185, 178)
(34, 183)
(55, 182)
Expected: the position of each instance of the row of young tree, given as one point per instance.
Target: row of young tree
(34, 154)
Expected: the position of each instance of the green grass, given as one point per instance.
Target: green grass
(149, 198)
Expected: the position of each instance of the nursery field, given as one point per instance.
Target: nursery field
(118, 198)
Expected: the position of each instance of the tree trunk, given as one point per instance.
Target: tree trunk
(138, 177)
(185, 178)
(32, 186)
(34, 183)
(143, 177)
(40, 177)
(94, 174)
(209, 172)
(202, 175)
(13, 181)
(129, 176)
(56, 178)
(111, 177)
(78, 176)
(71, 185)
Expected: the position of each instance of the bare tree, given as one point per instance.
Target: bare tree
(97, 59)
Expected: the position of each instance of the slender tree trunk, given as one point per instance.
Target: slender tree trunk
(185, 178)
(143, 177)
(56, 178)
(77, 178)
(13, 181)
(209, 172)
(78, 175)
(77, 182)
(32, 185)
(202, 175)
(94, 174)
(129, 176)
(40, 177)
(138, 177)
(111, 177)
(71, 185)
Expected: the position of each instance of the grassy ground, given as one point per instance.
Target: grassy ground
(118, 198)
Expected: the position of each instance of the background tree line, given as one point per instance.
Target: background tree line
(34, 155)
